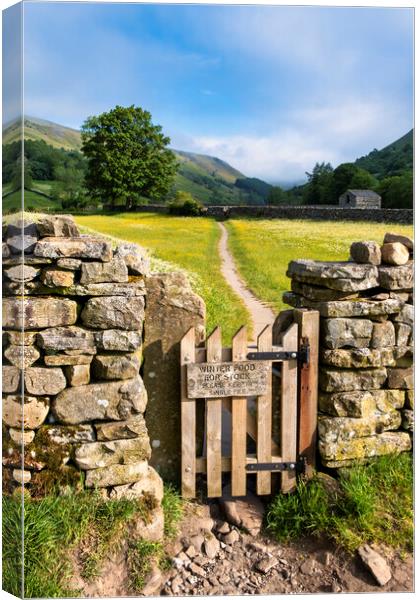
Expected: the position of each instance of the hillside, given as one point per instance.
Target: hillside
(207, 178)
(394, 159)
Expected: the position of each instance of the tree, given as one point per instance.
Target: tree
(127, 156)
(397, 191)
(318, 185)
(277, 195)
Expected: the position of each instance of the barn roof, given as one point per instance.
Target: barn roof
(365, 194)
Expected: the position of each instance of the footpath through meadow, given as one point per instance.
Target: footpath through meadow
(261, 314)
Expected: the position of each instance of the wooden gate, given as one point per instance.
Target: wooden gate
(240, 380)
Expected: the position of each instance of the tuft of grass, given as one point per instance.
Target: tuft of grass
(173, 509)
(141, 556)
(374, 504)
(52, 526)
(263, 248)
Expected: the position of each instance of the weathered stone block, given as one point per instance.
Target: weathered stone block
(118, 340)
(396, 237)
(21, 437)
(403, 356)
(387, 400)
(114, 312)
(70, 434)
(341, 333)
(29, 414)
(60, 226)
(67, 338)
(37, 313)
(5, 250)
(116, 366)
(347, 404)
(401, 379)
(402, 333)
(334, 429)
(135, 257)
(319, 294)
(71, 264)
(150, 484)
(388, 442)
(40, 381)
(408, 420)
(77, 375)
(64, 360)
(21, 273)
(366, 252)
(55, 278)
(11, 378)
(397, 278)
(116, 475)
(116, 400)
(344, 276)
(21, 237)
(346, 308)
(395, 253)
(383, 335)
(113, 271)
(172, 308)
(21, 356)
(332, 380)
(77, 247)
(37, 288)
(97, 455)
(361, 358)
(118, 430)
(406, 315)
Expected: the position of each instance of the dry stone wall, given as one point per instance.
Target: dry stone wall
(366, 399)
(73, 399)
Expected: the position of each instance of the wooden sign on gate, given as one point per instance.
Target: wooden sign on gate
(225, 379)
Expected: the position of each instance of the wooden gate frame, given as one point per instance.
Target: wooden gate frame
(299, 397)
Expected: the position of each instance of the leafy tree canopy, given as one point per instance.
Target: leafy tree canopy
(127, 156)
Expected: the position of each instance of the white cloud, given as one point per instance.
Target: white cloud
(335, 133)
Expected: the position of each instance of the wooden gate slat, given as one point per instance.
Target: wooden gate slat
(188, 419)
(239, 421)
(214, 423)
(288, 429)
(264, 420)
(308, 323)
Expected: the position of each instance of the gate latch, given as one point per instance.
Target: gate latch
(299, 466)
(301, 355)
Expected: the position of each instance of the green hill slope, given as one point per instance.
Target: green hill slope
(207, 178)
(394, 159)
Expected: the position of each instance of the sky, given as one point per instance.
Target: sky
(269, 89)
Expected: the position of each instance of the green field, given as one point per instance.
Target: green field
(188, 242)
(263, 248)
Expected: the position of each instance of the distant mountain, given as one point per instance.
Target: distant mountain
(55, 135)
(208, 178)
(394, 159)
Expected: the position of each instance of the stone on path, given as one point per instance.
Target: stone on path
(376, 564)
(266, 564)
(246, 513)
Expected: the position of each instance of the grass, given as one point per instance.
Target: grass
(374, 503)
(52, 527)
(190, 243)
(263, 248)
(33, 201)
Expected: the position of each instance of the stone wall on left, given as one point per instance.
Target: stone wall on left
(73, 398)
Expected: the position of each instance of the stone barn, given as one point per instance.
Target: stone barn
(360, 199)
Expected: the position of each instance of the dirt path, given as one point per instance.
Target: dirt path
(261, 315)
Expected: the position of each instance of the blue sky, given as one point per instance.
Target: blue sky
(271, 90)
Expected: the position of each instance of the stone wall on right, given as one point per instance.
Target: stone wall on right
(366, 397)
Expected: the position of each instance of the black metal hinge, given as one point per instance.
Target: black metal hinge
(301, 355)
(299, 466)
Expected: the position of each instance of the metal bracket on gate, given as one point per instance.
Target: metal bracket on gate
(299, 466)
(302, 355)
